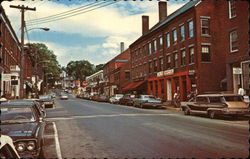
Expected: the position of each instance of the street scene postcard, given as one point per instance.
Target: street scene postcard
(124, 79)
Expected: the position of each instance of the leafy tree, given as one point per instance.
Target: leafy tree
(98, 67)
(80, 69)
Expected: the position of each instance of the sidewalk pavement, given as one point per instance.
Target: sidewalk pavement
(169, 106)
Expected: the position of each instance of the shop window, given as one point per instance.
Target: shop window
(155, 46)
(168, 40)
(182, 35)
(174, 36)
(175, 60)
(183, 57)
(205, 26)
(191, 55)
(232, 9)
(150, 48)
(233, 41)
(205, 53)
(161, 64)
(190, 29)
(155, 66)
(168, 62)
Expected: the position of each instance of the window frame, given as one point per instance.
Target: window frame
(150, 48)
(231, 42)
(230, 8)
(191, 55)
(155, 45)
(175, 57)
(168, 40)
(190, 29)
(182, 32)
(203, 53)
(168, 62)
(205, 27)
(175, 38)
(183, 59)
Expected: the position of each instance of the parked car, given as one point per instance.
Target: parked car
(216, 104)
(86, 96)
(95, 97)
(63, 96)
(147, 101)
(47, 100)
(127, 99)
(7, 148)
(103, 98)
(24, 123)
(115, 98)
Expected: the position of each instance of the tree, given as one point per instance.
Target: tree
(79, 70)
(98, 67)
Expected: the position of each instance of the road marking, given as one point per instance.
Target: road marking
(58, 150)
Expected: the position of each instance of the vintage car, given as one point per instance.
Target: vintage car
(115, 98)
(127, 99)
(24, 123)
(7, 148)
(142, 101)
(47, 100)
(103, 98)
(216, 104)
(64, 96)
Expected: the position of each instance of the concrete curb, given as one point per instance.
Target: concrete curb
(173, 108)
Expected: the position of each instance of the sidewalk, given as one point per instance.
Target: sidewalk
(169, 106)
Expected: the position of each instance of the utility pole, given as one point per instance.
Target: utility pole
(22, 8)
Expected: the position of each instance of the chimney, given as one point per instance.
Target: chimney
(162, 10)
(122, 46)
(145, 24)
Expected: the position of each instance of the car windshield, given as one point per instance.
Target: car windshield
(44, 97)
(233, 98)
(149, 97)
(119, 95)
(17, 114)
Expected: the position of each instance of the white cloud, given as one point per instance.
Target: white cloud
(116, 24)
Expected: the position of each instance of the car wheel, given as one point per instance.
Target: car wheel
(212, 114)
(186, 111)
(141, 106)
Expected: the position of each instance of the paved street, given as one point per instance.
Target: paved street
(92, 129)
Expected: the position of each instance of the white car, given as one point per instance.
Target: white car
(7, 148)
(115, 98)
(64, 97)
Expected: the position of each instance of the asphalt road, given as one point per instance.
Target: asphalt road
(88, 129)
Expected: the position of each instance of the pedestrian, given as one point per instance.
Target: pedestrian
(241, 91)
(177, 99)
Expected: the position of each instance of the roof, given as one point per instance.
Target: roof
(17, 103)
(218, 95)
(170, 17)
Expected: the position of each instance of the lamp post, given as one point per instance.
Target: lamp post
(22, 59)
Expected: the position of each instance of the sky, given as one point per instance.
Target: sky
(93, 33)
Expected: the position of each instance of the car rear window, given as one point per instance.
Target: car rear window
(19, 114)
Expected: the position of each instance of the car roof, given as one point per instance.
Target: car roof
(217, 95)
(18, 103)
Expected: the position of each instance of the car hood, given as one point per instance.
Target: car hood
(19, 130)
(237, 104)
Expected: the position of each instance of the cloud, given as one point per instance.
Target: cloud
(117, 23)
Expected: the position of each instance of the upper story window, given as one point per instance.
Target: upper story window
(155, 66)
(150, 48)
(127, 75)
(161, 64)
(145, 50)
(161, 41)
(191, 29)
(183, 57)
(191, 55)
(234, 44)
(182, 29)
(205, 26)
(232, 9)
(150, 67)
(155, 46)
(168, 40)
(145, 68)
(175, 60)
(174, 36)
(205, 53)
(168, 62)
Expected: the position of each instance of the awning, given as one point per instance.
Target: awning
(133, 86)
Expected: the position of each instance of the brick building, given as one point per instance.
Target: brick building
(113, 72)
(10, 51)
(186, 51)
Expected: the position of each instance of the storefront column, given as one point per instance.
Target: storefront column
(149, 87)
(188, 81)
(173, 87)
(165, 89)
(181, 88)
(154, 90)
(159, 88)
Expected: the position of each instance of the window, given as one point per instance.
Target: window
(150, 48)
(190, 29)
(233, 41)
(168, 62)
(232, 9)
(145, 68)
(201, 100)
(168, 40)
(161, 41)
(205, 53)
(174, 36)
(161, 64)
(183, 57)
(182, 28)
(127, 75)
(175, 60)
(191, 55)
(155, 65)
(155, 46)
(150, 67)
(205, 23)
(145, 50)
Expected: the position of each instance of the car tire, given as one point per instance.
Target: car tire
(186, 111)
(212, 114)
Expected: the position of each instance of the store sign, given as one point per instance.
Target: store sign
(6, 77)
(160, 74)
(237, 71)
(191, 72)
(168, 72)
(85, 83)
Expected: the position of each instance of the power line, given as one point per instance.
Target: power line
(52, 20)
(62, 14)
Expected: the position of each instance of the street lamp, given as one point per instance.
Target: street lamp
(22, 59)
